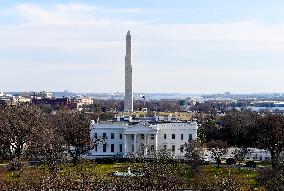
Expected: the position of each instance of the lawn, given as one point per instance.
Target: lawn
(103, 173)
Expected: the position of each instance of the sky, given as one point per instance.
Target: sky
(178, 46)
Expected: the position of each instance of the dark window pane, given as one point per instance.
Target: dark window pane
(112, 148)
(173, 148)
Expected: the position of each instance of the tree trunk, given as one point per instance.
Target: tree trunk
(18, 151)
(75, 159)
(274, 159)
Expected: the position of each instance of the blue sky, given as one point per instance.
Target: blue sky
(185, 46)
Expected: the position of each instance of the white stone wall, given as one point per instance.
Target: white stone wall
(129, 131)
(128, 100)
(188, 131)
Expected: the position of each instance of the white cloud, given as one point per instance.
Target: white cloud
(80, 25)
(97, 33)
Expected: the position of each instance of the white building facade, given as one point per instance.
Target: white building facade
(143, 138)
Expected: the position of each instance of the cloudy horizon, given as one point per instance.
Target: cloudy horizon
(186, 46)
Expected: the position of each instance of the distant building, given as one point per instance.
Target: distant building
(21, 99)
(53, 102)
(85, 100)
(227, 93)
(45, 95)
(6, 99)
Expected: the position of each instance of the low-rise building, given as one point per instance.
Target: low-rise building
(86, 100)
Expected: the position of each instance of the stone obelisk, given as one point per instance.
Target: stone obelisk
(128, 99)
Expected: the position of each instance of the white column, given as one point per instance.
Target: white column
(156, 142)
(145, 144)
(125, 144)
(135, 149)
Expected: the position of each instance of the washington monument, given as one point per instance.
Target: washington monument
(128, 99)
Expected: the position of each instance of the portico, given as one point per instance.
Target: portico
(140, 139)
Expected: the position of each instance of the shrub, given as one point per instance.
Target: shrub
(251, 164)
(105, 160)
(272, 180)
(14, 166)
(230, 161)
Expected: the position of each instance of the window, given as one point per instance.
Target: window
(152, 148)
(104, 135)
(142, 136)
(181, 136)
(152, 136)
(112, 135)
(95, 135)
(165, 136)
(132, 137)
(173, 148)
(132, 148)
(112, 148)
(104, 147)
(96, 148)
(120, 136)
(190, 137)
(173, 136)
(120, 148)
(165, 147)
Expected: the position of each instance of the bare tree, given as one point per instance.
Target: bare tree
(74, 128)
(271, 179)
(218, 149)
(240, 154)
(270, 135)
(47, 145)
(193, 153)
(19, 124)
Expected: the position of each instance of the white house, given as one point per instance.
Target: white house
(126, 139)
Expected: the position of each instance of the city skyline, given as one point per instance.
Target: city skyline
(180, 47)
